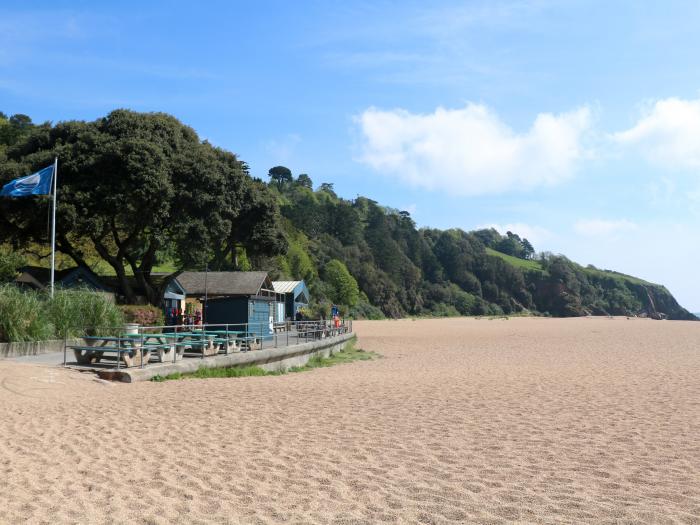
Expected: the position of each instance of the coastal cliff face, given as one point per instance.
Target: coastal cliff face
(613, 295)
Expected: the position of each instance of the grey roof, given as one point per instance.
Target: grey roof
(222, 283)
(285, 286)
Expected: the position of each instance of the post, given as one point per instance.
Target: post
(53, 224)
(204, 312)
(65, 344)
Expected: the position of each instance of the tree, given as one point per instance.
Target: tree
(327, 187)
(280, 176)
(130, 184)
(343, 286)
(305, 181)
(13, 128)
(20, 121)
(528, 250)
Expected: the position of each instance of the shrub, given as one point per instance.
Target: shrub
(145, 315)
(10, 263)
(22, 316)
(81, 311)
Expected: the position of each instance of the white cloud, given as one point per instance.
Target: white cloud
(470, 151)
(668, 133)
(601, 227)
(534, 234)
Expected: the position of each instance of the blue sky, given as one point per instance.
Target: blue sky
(575, 124)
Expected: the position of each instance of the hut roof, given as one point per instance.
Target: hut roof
(39, 277)
(223, 283)
(285, 286)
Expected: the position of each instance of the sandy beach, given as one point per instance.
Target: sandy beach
(461, 421)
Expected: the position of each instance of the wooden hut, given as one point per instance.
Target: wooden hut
(231, 297)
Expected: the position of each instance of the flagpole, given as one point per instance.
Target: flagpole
(53, 224)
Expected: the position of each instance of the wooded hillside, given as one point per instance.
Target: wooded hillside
(142, 191)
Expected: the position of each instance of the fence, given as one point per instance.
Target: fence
(135, 346)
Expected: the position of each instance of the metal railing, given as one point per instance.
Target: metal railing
(175, 342)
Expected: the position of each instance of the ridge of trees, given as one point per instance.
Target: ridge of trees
(140, 189)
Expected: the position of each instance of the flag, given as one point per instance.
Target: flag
(38, 183)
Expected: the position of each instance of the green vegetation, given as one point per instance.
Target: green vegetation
(369, 259)
(22, 316)
(145, 315)
(349, 354)
(10, 263)
(524, 264)
(136, 187)
(342, 286)
(27, 315)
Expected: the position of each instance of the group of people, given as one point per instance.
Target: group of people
(178, 316)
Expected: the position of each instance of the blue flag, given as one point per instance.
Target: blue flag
(38, 183)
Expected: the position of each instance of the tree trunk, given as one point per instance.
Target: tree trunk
(118, 264)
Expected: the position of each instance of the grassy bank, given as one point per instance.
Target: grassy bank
(349, 354)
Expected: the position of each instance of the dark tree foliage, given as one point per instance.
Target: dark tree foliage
(280, 175)
(403, 270)
(305, 181)
(131, 183)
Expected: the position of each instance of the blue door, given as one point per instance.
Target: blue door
(261, 317)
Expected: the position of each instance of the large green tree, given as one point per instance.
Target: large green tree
(131, 184)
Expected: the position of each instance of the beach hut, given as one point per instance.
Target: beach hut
(231, 298)
(296, 296)
(39, 278)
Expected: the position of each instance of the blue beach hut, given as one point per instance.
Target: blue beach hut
(296, 296)
(232, 298)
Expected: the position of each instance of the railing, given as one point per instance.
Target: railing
(174, 342)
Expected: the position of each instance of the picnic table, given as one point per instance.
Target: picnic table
(210, 342)
(237, 340)
(129, 350)
(164, 345)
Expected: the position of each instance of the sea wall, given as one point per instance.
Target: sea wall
(34, 347)
(269, 359)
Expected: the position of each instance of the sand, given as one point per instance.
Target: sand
(476, 421)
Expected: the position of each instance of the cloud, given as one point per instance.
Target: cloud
(668, 133)
(534, 234)
(470, 151)
(602, 228)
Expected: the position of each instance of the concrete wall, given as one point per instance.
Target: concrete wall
(271, 359)
(34, 347)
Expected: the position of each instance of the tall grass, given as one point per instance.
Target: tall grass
(27, 315)
(22, 315)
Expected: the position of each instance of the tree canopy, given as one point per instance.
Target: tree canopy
(131, 184)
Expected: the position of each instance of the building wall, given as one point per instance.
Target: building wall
(257, 313)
